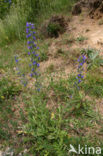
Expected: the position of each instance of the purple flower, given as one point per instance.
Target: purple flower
(37, 55)
(34, 38)
(79, 75)
(79, 60)
(27, 31)
(37, 48)
(34, 45)
(32, 69)
(38, 64)
(29, 42)
(79, 81)
(33, 52)
(25, 84)
(32, 24)
(29, 35)
(30, 65)
(32, 27)
(29, 53)
(28, 24)
(30, 47)
(81, 64)
(16, 60)
(84, 57)
(34, 62)
(31, 75)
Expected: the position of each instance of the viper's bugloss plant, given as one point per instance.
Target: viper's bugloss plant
(32, 52)
(80, 70)
(77, 95)
(80, 76)
(23, 79)
(34, 56)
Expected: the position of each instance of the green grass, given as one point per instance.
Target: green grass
(8, 89)
(81, 39)
(50, 68)
(50, 131)
(44, 50)
(8, 52)
(8, 92)
(94, 84)
(54, 118)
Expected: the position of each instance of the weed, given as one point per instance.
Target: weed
(94, 84)
(87, 30)
(43, 56)
(59, 52)
(50, 68)
(91, 53)
(45, 129)
(93, 57)
(8, 89)
(81, 39)
(44, 51)
(53, 30)
(71, 40)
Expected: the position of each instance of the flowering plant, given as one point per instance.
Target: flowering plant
(80, 69)
(34, 56)
(32, 53)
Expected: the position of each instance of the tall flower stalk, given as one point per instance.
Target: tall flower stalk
(34, 57)
(32, 52)
(23, 79)
(80, 75)
(80, 69)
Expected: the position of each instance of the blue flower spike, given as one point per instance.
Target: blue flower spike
(34, 56)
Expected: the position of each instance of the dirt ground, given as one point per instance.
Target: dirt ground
(79, 26)
(89, 28)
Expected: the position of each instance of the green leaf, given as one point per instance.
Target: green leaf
(93, 55)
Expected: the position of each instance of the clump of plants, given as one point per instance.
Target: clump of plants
(93, 57)
(94, 83)
(8, 89)
(45, 129)
(33, 56)
(4, 7)
(55, 26)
